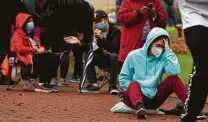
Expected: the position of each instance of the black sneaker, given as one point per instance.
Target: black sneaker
(178, 110)
(91, 89)
(113, 90)
(202, 116)
(141, 111)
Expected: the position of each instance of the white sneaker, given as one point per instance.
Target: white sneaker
(75, 79)
(63, 82)
(43, 89)
(53, 82)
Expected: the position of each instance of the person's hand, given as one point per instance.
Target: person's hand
(152, 13)
(79, 36)
(98, 33)
(144, 10)
(40, 50)
(105, 52)
(72, 40)
(167, 47)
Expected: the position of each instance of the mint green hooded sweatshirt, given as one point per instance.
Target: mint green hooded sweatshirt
(148, 70)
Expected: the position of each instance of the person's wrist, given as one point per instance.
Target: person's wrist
(167, 48)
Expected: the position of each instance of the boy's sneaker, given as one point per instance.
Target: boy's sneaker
(53, 82)
(201, 116)
(63, 82)
(113, 90)
(91, 88)
(43, 89)
(75, 79)
(141, 111)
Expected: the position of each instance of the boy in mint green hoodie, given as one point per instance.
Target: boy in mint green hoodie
(141, 74)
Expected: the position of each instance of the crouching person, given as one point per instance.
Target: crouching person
(141, 74)
(32, 55)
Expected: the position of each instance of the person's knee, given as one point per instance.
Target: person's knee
(65, 57)
(133, 83)
(114, 56)
(173, 79)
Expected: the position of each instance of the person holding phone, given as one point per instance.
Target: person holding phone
(137, 19)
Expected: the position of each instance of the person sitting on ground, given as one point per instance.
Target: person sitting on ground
(27, 46)
(141, 74)
(108, 40)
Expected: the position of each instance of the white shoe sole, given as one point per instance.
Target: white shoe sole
(141, 112)
(114, 92)
(87, 91)
(74, 81)
(40, 90)
(63, 85)
(201, 117)
(53, 84)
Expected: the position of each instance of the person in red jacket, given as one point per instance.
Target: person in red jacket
(138, 17)
(26, 44)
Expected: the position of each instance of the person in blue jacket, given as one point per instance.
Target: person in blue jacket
(142, 71)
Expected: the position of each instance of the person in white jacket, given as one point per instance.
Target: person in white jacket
(195, 24)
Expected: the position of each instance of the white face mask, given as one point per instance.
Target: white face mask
(156, 51)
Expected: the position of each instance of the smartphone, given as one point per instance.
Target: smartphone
(149, 5)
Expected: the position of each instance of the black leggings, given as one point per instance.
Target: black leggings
(198, 84)
(64, 65)
(46, 66)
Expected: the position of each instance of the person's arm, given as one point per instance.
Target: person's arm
(172, 67)
(21, 48)
(126, 73)
(110, 45)
(127, 16)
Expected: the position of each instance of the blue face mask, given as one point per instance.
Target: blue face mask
(101, 26)
(30, 26)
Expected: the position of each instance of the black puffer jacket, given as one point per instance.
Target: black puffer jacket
(112, 42)
(67, 17)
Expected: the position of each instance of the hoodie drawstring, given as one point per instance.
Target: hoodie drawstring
(146, 67)
(154, 68)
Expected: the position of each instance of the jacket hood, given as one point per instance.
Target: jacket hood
(154, 34)
(21, 18)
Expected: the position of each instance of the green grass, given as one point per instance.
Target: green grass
(186, 67)
(173, 32)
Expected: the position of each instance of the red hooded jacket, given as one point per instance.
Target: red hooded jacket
(21, 44)
(132, 24)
